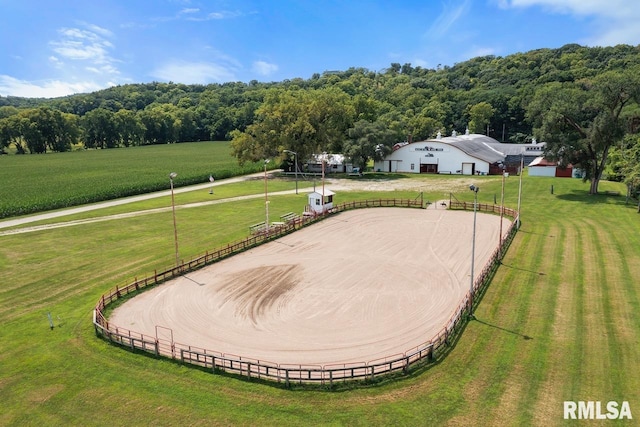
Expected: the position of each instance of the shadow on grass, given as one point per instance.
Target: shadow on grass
(526, 337)
(537, 234)
(540, 273)
(594, 199)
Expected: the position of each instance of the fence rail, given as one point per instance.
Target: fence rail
(286, 373)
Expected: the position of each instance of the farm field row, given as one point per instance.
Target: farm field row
(35, 183)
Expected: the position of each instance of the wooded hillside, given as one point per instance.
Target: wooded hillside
(331, 111)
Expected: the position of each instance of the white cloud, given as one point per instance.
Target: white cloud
(180, 71)
(225, 14)
(449, 16)
(99, 30)
(55, 62)
(10, 86)
(264, 68)
(615, 20)
(82, 45)
(83, 62)
(198, 15)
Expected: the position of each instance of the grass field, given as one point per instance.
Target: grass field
(33, 183)
(559, 322)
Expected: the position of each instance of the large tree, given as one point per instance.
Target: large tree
(581, 121)
(130, 127)
(100, 129)
(625, 165)
(44, 129)
(368, 140)
(479, 116)
(303, 121)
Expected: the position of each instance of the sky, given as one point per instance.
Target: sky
(57, 48)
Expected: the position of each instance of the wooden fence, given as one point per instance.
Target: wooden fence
(287, 373)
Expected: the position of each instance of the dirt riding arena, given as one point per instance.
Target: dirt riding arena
(358, 286)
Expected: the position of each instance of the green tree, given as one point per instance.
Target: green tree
(11, 132)
(100, 129)
(367, 141)
(159, 124)
(130, 127)
(479, 116)
(303, 121)
(580, 122)
(46, 129)
(625, 165)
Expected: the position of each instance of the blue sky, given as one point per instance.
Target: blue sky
(56, 48)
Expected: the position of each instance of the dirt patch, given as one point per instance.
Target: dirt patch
(256, 291)
(359, 286)
(446, 185)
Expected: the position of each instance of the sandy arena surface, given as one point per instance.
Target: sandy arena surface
(356, 287)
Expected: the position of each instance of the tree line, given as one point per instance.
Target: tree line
(582, 101)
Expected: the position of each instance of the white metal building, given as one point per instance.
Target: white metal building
(543, 167)
(469, 154)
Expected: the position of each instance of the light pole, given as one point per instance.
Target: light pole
(473, 246)
(324, 156)
(520, 186)
(295, 159)
(266, 198)
(501, 210)
(172, 175)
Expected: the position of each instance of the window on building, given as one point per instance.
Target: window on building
(412, 166)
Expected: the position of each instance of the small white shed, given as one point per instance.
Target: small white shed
(320, 203)
(543, 167)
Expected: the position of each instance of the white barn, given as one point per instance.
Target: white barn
(464, 154)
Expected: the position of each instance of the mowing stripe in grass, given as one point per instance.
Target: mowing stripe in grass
(609, 282)
(539, 325)
(566, 338)
(500, 339)
(617, 316)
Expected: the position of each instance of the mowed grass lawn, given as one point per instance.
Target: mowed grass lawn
(558, 322)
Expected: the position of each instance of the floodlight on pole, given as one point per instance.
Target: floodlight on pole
(266, 198)
(504, 175)
(295, 159)
(172, 176)
(473, 246)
